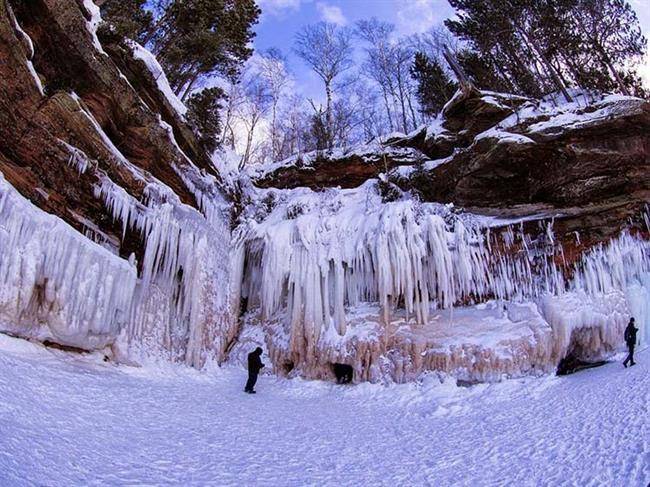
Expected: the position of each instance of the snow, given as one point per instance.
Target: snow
(372, 152)
(431, 165)
(571, 117)
(158, 74)
(72, 420)
(504, 137)
(93, 23)
(552, 115)
(30, 52)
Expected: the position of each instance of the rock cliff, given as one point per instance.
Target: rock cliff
(87, 136)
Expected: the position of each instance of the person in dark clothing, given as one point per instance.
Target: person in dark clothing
(630, 340)
(254, 366)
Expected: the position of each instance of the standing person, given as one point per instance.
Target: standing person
(254, 366)
(630, 340)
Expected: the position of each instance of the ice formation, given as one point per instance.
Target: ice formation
(172, 306)
(69, 289)
(55, 283)
(315, 257)
(179, 307)
(393, 288)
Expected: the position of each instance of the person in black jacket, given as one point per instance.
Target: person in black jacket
(630, 340)
(254, 366)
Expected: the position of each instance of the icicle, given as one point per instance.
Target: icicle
(319, 262)
(55, 283)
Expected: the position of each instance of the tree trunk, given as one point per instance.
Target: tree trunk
(605, 59)
(504, 76)
(608, 63)
(466, 85)
(413, 116)
(546, 63)
(387, 105)
(274, 133)
(189, 84)
(328, 114)
(400, 88)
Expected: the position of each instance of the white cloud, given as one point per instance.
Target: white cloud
(417, 16)
(278, 7)
(331, 13)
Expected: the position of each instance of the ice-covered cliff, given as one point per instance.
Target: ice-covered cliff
(538, 253)
(506, 236)
(125, 243)
(397, 288)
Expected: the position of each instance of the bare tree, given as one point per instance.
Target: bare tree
(294, 127)
(234, 98)
(434, 41)
(272, 66)
(252, 110)
(387, 64)
(327, 49)
(379, 63)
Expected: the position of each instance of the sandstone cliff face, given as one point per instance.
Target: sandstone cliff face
(86, 135)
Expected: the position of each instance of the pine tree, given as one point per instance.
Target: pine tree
(191, 39)
(434, 86)
(537, 46)
(203, 116)
(610, 30)
(125, 18)
(483, 73)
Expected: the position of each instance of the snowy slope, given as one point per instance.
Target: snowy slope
(71, 420)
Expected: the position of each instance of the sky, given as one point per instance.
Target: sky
(282, 19)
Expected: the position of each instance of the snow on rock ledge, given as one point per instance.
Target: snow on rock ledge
(158, 74)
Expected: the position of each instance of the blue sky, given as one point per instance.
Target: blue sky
(281, 19)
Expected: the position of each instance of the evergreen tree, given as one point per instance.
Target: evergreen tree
(191, 39)
(319, 134)
(203, 116)
(610, 30)
(434, 86)
(125, 18)
(537, 46)
(482, 72)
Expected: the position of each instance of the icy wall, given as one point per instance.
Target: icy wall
(58, 285)
(115, 232)
(55, 284)
(316, 258)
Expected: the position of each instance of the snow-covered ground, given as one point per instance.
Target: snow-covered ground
(70, 420)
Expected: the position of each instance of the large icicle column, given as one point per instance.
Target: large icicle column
(341, 276)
